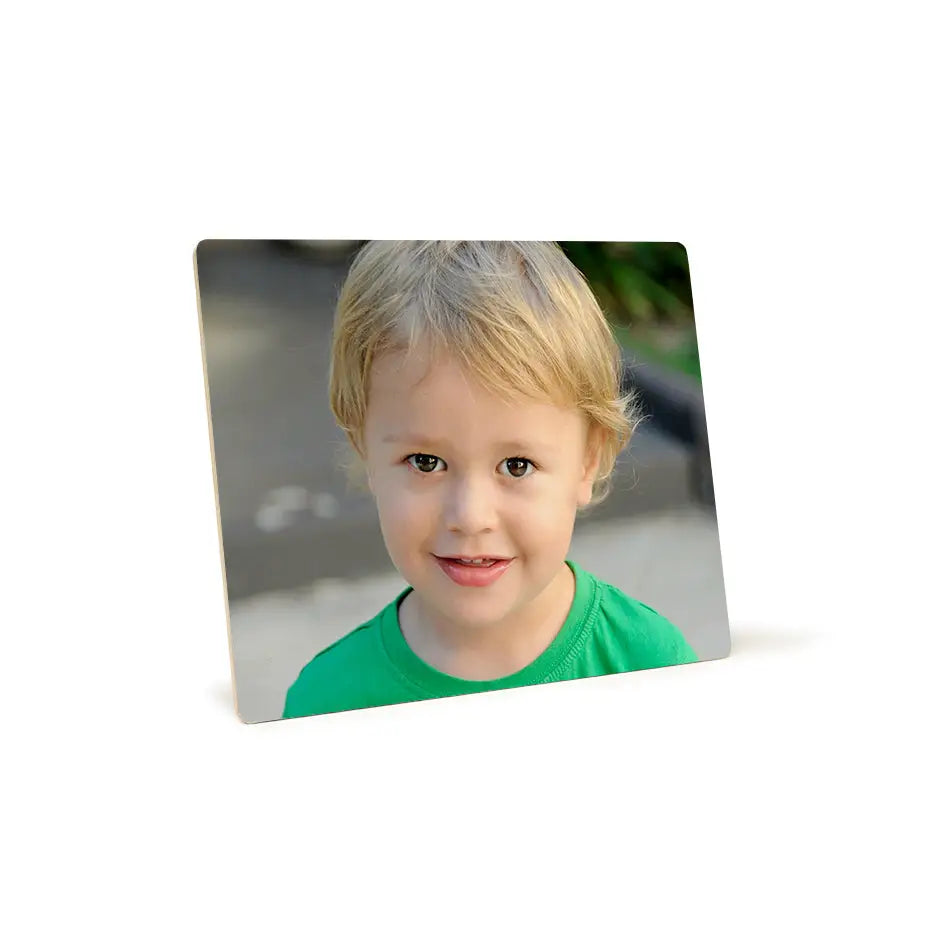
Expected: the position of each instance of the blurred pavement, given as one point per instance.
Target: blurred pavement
(669, 560)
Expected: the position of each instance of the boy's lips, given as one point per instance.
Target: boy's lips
(478, 570)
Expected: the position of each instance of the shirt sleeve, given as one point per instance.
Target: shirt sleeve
(667, 644)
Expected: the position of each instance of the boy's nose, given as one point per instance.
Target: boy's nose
(470, 507)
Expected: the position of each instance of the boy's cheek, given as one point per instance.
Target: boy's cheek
(399, 511)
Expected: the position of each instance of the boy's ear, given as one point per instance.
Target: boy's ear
(590, 467)
(356, 464)
(366, 470)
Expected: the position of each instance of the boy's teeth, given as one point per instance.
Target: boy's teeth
(476, 563)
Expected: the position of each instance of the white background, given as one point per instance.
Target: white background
(786, 790)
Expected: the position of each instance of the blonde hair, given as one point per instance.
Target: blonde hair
(517, 315)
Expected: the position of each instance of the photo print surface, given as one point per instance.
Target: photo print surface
(451, 467)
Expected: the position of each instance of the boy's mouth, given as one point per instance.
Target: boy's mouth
(473, 571)
(473, 561)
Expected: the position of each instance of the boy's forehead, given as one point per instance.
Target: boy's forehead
(408, 369)
(419, 382)
(419, 373)
(438, 404)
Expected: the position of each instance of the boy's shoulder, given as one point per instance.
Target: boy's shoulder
(349, 674)
(351, 645)
(649, 639)
(331, 678)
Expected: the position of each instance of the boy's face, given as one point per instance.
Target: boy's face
(458, 472)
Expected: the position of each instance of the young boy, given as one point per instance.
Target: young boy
(479, 385)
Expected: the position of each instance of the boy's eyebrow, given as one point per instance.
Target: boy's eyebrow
(519, 446)
(410, 438)
(526, 446)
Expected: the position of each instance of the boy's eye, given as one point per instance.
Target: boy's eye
(424, 462)
(517, 467)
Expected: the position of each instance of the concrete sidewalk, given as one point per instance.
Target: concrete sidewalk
(669, 560)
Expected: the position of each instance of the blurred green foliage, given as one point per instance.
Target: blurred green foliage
(636, 283)
(644, 289)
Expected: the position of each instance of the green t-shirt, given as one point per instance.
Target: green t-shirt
(605, 632)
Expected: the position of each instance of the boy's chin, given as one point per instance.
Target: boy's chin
(470, 607)
(474, 613)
